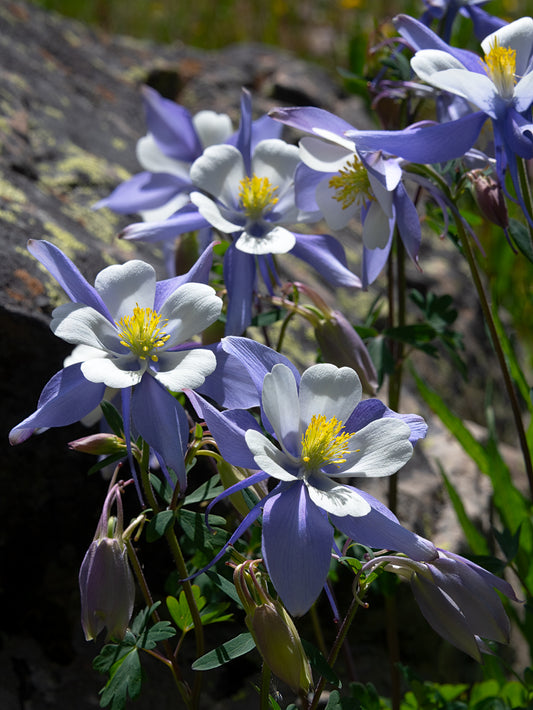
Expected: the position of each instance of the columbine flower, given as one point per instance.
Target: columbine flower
(173, 142)
(457, 597)
(107, 588)
(247, 191)
(500, 85)
(141, 328)
(345, 183)
(320, 433)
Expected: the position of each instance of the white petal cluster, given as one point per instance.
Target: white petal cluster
(378, 449)
(127, 290)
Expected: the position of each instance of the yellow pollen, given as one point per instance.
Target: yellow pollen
(352, 184)
(323, 443)
(141, 332)
(501, 67)
(257, 196)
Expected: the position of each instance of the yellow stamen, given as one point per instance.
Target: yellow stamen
(323, 443)
(257, 196)
(352, 184)
(501, 67)
(141, 332)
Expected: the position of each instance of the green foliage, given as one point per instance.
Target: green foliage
(181, 613)
(122, 662)
(238, 646)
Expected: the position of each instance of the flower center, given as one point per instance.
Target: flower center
(352, 184)
(141, 332)
(323, 443)
(501, 66)
(257, 196)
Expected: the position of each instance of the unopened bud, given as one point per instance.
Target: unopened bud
(489, 197)
(99, 444)
(342, 346)
(279, 643)
(107, 588)
(273, 630)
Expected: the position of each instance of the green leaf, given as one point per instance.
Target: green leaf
(113, 652)
(159, 524)
(204, 539)
(207, 491)
(180, 611)
(476, 540)
(381, 357)
(225, 586)
(158, 632)
(238, 646)
(320, 665)
(162, 487)
(125, 681)
(113, 418)
(521, 237)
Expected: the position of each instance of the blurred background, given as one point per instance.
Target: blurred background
(320, 29)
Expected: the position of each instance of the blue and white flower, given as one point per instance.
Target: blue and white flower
(344, 183)
(318, 431)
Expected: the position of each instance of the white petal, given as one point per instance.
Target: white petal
(123, 286)
(334, 213)
(152, 158)
(82, 353)
(277, 240)
(219, 171)
(378, 449)
(268, 457)
(82, 325)
(335, 138)
(189, 310)
(517, 35)
(281, 406)
(328, 390)
(211, 212)
(376, 227)
(447, 73)
(110, 372)
(212, 127)
(158, 214)
(185, 369)
(523, 93)
(382, 195)
(275, 160)
(323, 156)
(428, 62)
(336, 498)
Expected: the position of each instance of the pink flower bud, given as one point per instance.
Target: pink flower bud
(489, 197)
(107, 588)
(341, 345)
(99, 444)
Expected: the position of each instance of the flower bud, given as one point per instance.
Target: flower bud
(273, 630)
(342, 346)
(489, 197)
(278, 642)
(100, 444)
(107, 588)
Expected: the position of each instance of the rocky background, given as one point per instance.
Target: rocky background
(70, 115)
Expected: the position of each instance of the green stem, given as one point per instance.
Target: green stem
(335, 650)
(265, 687)
(485, 306)
(170, 660)
(181, 567)
(526, 195)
